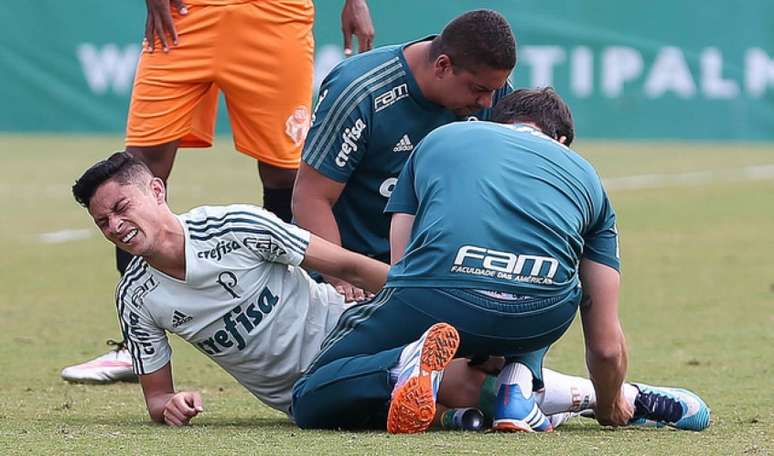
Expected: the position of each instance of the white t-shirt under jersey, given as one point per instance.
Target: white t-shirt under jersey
(245, 301)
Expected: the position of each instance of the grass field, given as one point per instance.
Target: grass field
(697, 307)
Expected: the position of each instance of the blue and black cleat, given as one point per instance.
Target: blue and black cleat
(673, 407)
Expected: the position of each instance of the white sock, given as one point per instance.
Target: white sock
(630, 392)
(568, 393)
(565, 393)
(516, 373)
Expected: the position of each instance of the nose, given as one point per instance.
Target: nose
(114, 225)
(486, 101)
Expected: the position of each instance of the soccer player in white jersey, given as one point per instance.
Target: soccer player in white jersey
(226, 279)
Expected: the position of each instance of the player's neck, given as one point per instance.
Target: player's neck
(169, 252)
(417, 57)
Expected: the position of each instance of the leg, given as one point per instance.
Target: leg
(461, 385)
(266, 76)
(277, 189)
(516, 408)
(158, 158)
(349, 385)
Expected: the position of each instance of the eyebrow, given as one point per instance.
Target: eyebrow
(113, 209)
(483, 88)
(118, 203)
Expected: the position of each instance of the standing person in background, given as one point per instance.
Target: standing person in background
(260, 54)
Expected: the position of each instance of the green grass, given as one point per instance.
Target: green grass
(696, 306)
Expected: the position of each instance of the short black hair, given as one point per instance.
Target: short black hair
(121, 166)
(543, 107)
(480, 38)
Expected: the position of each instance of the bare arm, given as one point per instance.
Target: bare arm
(164, 404)
(333, 260)
(400, 232)
(605, 344)
(314, 196)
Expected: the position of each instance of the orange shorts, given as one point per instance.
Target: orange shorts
(259, 53)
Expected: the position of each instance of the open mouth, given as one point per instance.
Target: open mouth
(129, 236)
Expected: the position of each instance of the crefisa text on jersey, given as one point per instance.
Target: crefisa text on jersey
(246, 317)
(221, 249)
(349, 141)
(256, 244)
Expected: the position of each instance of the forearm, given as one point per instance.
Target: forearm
(605, 341)
(359, 270)
(370, 275)
(607, 370)
(157, 389)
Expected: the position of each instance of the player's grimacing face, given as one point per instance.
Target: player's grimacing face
(126, 214)
(467, 92)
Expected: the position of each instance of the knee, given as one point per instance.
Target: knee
(299, 406)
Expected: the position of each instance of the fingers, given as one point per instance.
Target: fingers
(358, 294)
(150, 35)
(196, 402)
(365, 40)
(346, 291)
(160, 25)
(173, 417)
(347, 41)
(159, 30)
(352, 293)
(169, 27)
(180, 6)
(182, 407)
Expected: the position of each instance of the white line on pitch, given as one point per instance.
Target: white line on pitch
(56, 237)
(689, 179)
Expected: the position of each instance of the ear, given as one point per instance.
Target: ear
(562, 140)
(442, 66)
(158, 190)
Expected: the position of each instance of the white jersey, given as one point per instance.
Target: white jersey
(245, 301)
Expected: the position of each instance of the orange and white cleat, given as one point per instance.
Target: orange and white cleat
(412, 407)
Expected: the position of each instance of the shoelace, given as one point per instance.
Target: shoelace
(657, 407)
(119, 345)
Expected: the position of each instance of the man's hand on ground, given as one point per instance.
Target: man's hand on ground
(181, 407)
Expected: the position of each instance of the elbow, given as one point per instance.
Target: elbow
(611, 354)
